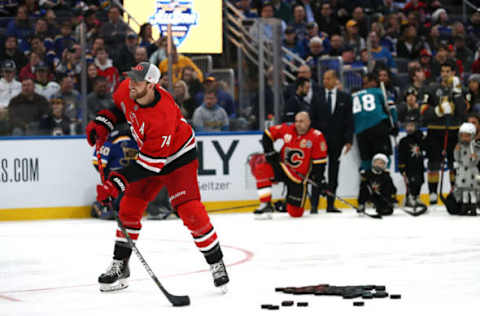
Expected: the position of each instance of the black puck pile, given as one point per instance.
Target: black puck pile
(365, 292)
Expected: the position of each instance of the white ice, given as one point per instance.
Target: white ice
(433, 261)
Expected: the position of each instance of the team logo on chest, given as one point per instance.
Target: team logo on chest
(294, 157)
(287, 138)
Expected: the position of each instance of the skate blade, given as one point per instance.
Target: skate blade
(263, 217)
(116, 286)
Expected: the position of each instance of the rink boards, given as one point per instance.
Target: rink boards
(53, 177)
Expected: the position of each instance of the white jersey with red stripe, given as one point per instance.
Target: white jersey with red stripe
(161, 132)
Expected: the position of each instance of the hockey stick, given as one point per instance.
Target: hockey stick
(442, 165)
(327, 192)
(176, 300)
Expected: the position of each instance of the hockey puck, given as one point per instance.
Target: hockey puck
(380, 288)
(302, 304)
(380, 294)
(274, 307)
(395, 296)
(266, 306)
(287, 303)
(367, 295)
(358, 303)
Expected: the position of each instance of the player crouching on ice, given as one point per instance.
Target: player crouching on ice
(303, 156)
(411, 163)
(167, 157)
(464, 197)
(377, 187)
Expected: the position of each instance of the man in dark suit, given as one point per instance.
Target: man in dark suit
(297, 103)
(334, 119)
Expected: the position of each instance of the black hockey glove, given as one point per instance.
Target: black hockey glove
(273, 157)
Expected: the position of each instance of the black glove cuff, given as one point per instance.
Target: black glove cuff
(105, 121)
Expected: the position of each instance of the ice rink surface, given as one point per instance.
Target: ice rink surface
(51, 267)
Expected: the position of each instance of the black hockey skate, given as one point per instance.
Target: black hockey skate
(264, 212)
(116, 277)
(220, 275)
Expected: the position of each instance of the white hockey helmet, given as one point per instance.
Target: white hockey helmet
(382, 157)
(467, 128)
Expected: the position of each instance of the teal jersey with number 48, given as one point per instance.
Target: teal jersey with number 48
(368, 108)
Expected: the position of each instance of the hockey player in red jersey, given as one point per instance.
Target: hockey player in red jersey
(167, 157)
(304, 153)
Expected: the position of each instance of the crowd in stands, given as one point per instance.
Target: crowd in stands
(41, 65)
(41, 57)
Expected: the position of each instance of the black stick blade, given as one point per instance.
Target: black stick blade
(179, 300)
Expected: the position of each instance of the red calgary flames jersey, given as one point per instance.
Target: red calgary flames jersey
(299, 151)
(161, 132)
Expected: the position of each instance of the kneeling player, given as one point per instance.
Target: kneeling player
(464, 198)
(303, 147)
(377, 187)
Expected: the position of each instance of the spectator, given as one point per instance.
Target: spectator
(20, 27)
(210, 117)
(352, 38)
(309, 10)
(183, 99)
(64, 39)
(282, 10)
(179, 62)
(389, 34)
(43, 85)
(41, 31)
(459, 31)
(418, 82)
(194, 85)
(51, 18)
(26, 109)
(69, 65)
(433, 42)
(92, 74)
(348, 58)
(11, 52)
(410, 45)
(440, 59)
(336, 43)
(38, 46)
(92, 25)
(426, 63)
(380, 52)
(294, 45)
(472, 95)
(114, 30)
(359, 17)
(304, 71)
(298, 24)
(141, 54)
(98, 43)
(27, 71)
(55, 123)
(267, 30)
(99, 99)
(385, 76)
(462, 52)
(245, 7)
(296, 103)
(388, 7)
(160, 52)
(312, 31)
(224, 99)
(9, 87)
(71, 98)
(106, 69)
(146, 38)
(440, 18)
(473, 27)
(125, 58)
(317, 50)
(326, 20)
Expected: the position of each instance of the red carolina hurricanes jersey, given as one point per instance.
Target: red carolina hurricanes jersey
(161, 132)
(299, 151)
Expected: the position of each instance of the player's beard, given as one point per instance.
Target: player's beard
(135, 94)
